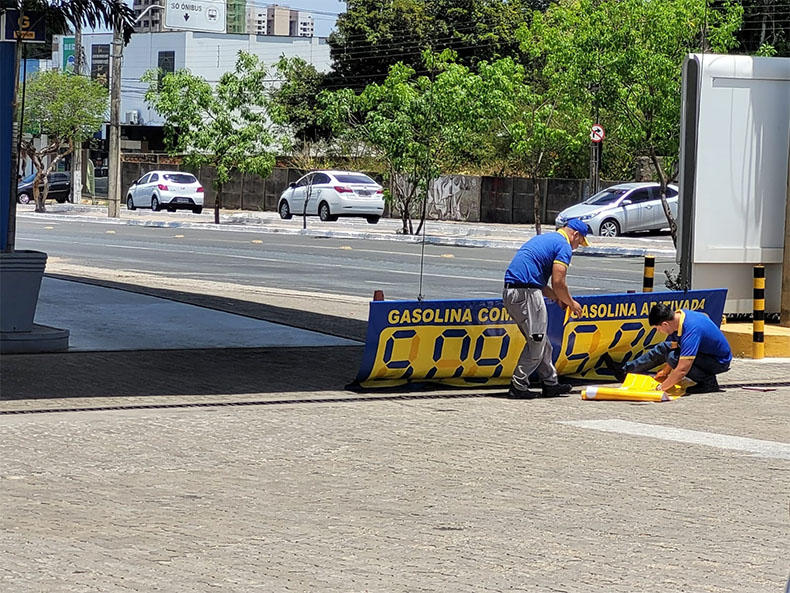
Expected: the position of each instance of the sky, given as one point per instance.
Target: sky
(324, 11)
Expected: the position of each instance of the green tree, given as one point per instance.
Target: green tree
(226, 127)
(60, 17)
(541, 120)
(294, 104)
(371, 36)
(64, 110)
(627, 56)
(419, 126)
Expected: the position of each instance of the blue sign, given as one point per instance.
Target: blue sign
(476, 342)
(27, 26)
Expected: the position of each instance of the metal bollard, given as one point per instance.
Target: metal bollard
(649, 273)
(758, 315)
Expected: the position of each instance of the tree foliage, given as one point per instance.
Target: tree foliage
(372, 36)
(630, 69)
(63, 110)
(294, 104)
(420, 126)
(227, 127)
(540, 119)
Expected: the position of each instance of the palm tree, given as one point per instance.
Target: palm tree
(60, 16)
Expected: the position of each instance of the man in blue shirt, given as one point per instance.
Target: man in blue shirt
(695, 348)
(542, 258)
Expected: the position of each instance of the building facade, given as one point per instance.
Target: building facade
(208, 55)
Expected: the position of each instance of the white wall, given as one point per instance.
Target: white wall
(208, 55)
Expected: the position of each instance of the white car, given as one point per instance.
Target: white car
(166, 189)
(624, 208)
(330, 194)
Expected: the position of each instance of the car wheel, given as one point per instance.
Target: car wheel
(171, 208)
(325, 214)
(197, 209)
(23, 198)
(373, 219)
(60, 200)
(609, 228)
(155, 204)
(130, 203)
(285, 211)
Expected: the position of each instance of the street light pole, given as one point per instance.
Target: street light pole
(76, 156)
(114, 173)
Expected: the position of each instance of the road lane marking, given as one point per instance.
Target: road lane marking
(757, 447)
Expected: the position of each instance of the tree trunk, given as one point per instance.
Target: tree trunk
(662, 179)
(537, 202)
(217, 204)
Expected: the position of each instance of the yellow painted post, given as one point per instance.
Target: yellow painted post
(649, 273)
(758, 316)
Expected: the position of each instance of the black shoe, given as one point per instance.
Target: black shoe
(557, 390)
(516, 393)
(708, 386)
(617, 369)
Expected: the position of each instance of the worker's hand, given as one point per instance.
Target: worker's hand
(662, 375)
(576, 308)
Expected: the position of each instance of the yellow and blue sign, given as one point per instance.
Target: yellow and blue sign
(475, 342)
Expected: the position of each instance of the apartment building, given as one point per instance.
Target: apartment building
(279, 20)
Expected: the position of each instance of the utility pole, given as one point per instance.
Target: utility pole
(76, 156)
(114, 173)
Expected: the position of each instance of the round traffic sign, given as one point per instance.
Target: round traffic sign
(597, 134)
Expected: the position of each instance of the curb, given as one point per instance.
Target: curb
(253, 227)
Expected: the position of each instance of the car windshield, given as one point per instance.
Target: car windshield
(607, 196)
(354, 178)
(179, 177)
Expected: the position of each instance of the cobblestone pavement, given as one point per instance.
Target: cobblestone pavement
(253, 470)
(312, 488)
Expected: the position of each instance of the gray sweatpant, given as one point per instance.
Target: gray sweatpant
(528, 309)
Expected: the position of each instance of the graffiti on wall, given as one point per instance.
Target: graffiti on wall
(455, 197)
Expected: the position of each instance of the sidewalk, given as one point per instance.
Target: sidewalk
(460, 234)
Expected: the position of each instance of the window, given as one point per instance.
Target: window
(354, 178)
(166, 62)
(144, 179)
(639, 195)
(154, 178)
(304, 180)
(606, 196)
(179, 178)
(321, 178)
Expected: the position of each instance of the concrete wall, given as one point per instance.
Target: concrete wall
(452, 197)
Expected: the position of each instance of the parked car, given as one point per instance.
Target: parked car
(624, 208)
(59, 188)
(172, 190)
(330, 194)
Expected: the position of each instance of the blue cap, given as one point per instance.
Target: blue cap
(582, 227)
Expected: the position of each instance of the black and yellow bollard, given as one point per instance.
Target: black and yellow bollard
(758, 318)
(649, 273)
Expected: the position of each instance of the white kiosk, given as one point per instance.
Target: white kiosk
(735, 139)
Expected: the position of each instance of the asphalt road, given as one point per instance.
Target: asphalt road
(337, 266)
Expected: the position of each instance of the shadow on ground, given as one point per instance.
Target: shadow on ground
(178, 372)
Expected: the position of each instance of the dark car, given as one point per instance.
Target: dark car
(59, 188)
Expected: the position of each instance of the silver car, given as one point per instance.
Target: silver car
(624, 208)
